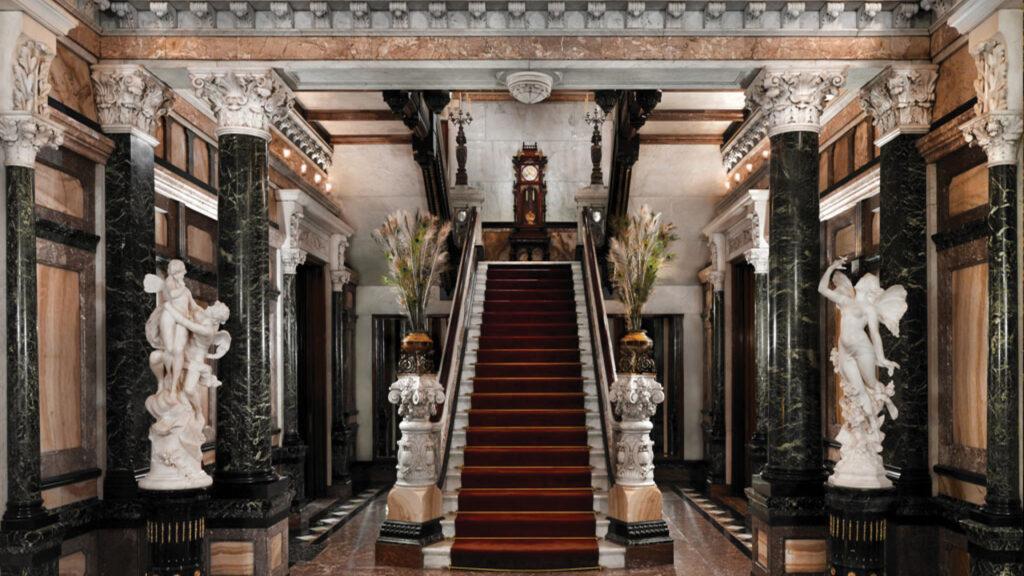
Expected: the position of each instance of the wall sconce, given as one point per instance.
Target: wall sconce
(286, 152)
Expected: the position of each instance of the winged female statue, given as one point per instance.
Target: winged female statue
(185, 336)
(857, 359)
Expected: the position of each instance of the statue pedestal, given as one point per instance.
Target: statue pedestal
(857, 529)
(176, 531)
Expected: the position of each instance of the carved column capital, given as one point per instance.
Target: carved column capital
(339, 278)
(22, 135)
(129, 99)
(758, 258)
(793, 99)
(717, 246)
(900, 100)
(291, 259)
(999, 133)
(244, 102)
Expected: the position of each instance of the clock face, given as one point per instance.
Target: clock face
(530, 172)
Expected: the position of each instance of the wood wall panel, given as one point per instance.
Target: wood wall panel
(60, 352)
(201, 160)
(177, 143)
(56, 497)
(969, 331)
(955, 84)
(200, 244)
(961, 490)
(59, 191)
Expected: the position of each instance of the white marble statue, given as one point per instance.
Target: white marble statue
(856, 360)
(182, 334)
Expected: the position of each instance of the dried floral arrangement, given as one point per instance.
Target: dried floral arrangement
(415, 248)
(637, 253)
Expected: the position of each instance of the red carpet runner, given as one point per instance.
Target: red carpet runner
(526, 501)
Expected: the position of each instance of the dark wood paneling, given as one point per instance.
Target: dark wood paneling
(311, 310)
(744, 400)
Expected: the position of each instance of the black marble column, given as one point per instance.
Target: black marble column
(341, 475)
(759, 440)
(858, 530)
(30, 536)
(130, 255)
(995, 539)
(292, 455)
(715, 432)
(903, 248)
(244, 473)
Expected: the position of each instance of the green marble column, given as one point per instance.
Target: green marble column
(341, 481)
(30, 536)
(759, 441)
(715, 429)
(250, 499)
(995, 537)
(787, 498)
(292, 454)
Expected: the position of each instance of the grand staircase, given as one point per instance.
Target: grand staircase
(526, 480)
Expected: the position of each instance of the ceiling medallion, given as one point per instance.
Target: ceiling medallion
(529, 87)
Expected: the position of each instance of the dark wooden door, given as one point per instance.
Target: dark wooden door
(744, 403)
(311, 312)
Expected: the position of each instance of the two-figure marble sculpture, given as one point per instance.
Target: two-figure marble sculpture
(856, 360)
(182, 334)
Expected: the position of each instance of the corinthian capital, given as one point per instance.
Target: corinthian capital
(999, 133)
(129, 99)
(22, 135)
(900, 100)
(246, 102)
(793, 99)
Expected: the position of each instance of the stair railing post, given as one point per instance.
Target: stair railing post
(414, 503)
(635, 503)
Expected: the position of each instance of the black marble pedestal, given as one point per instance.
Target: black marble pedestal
(857, 530)
(714, 429)
(176, 531)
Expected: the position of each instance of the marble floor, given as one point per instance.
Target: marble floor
(701, 550)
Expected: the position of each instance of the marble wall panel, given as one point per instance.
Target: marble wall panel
(824, 169)
(968, 190)
(56, 497)
(177, 146)
(841, 159)
(59, 191)
(200, 244)
(955, 84)
(67, 357)
(970, 354)
(231, 558)
(862, 144)
(60, 352)
(160, 228)
(72, 85)
(805, 556)
(960, 490)
(201, 159)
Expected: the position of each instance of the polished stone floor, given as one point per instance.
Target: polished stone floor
(701, 550)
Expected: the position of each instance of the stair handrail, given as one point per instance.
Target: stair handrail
(600, 339)
(453, 354)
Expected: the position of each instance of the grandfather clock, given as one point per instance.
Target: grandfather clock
(529, 239)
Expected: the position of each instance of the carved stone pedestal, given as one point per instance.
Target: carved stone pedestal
(858, 530)
(176, 531)
(634, 520)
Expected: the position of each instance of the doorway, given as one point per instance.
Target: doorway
(744, 404)
(311, 311)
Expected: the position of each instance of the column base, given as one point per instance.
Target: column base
(788, 530)
(248, 527)
(414, 521)
(176, 531)
(290, 462)
(31, 546)
(635, 521)
(629, 504)
(858, 529)
(994, 550)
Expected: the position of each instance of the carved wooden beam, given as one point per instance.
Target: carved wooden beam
(634, 108)
(349, 115)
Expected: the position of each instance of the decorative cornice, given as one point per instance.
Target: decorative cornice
(745, 140)
(510, 18)
(301, 134)
(23, 134)
(999, 133)
(899, 100)
(793, 99)
(130, 99)
(244, 102)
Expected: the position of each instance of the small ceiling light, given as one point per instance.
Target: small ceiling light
(736, 177)
(726, 184)
(287, 152)
(317, 178)
(328, 186)
(764, 153)
(750, 167)
(302, 168)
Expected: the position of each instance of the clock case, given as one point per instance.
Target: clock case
(529, 239)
